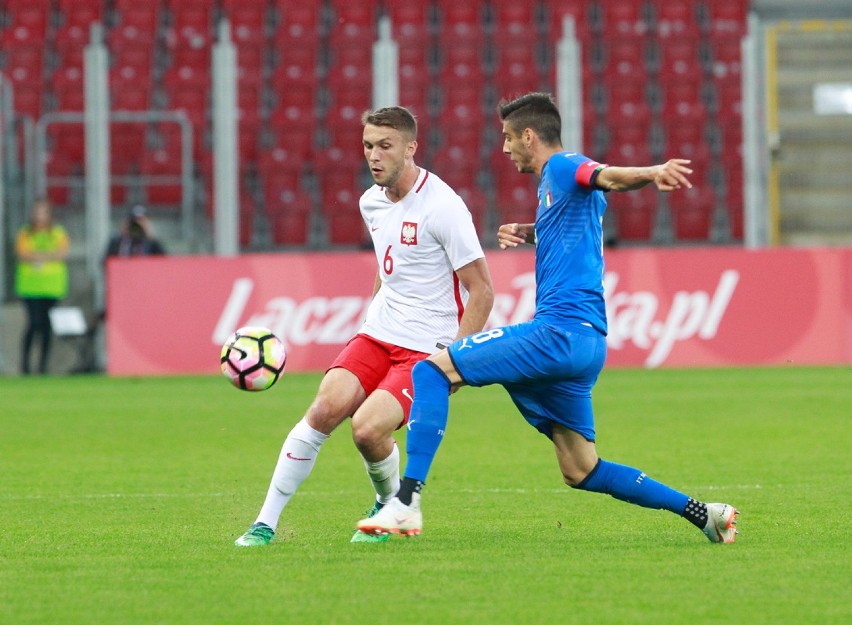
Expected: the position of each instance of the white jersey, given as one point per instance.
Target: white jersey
(419, 241)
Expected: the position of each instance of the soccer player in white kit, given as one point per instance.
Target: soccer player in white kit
(432, 287)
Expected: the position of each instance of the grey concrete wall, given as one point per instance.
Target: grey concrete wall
(64, 351)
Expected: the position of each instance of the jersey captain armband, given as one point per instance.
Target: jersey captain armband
(587, 172)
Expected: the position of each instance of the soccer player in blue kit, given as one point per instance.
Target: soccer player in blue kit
(550, 363)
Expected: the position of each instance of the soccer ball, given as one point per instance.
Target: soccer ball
(253, 358)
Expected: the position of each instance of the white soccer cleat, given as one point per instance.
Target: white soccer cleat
(395, 518)
(721, 522)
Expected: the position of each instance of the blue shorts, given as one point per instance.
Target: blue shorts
(548, 371)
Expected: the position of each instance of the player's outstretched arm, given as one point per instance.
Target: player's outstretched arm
(669, 176)
(513, 235)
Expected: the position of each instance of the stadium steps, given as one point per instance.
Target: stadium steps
(814, 202)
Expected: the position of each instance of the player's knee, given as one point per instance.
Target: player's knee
(363, 433)
(428, 372)
(575, 474)
(369, 435)
(323, 415)
(573, 477)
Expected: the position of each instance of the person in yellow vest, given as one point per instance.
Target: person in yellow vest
(41, 279)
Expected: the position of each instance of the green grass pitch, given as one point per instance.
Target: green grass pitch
(120, 500)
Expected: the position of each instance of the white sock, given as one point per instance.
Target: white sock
(298, 455)
(385, 476)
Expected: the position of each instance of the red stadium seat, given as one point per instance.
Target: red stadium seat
(413, 65)
(289, 227)
(733, 199)
(676, 19)
(348, 102)
(409, 22)
(515, 199)
(726, 61)
(297, 141)
(162, 163)
(192, 27)
(191, 100)
(247, 20)
(246, 219)
(460, 21)
(293, 111)
(629, 138)
(623, 19)
(634, 213)
(628, 155)
(71, 38)
(299, 24)
(346, 151)
(250, 61)
(728, 100)
(351, 66)
(130, 96)
(26, 23)
(461, 65)
(727, 17)
(288, 212)
(57, 165)
(732, 139)
(520, 69)
(75, 13)
(514, 21)
(346, 229)
(135, 54)
(277, 181)
(692, 213)
(458, 164)
(283, 160)
(136, 23)
(248, 102)
(24, 64)
(297, 65)
(132, 75)
(687, 112)
(686, 90)
(126, 141)
(676, 133)
(625, 57)
(353, 23)
(461, 113)
(248, 132)
(476, 201)
(678, 59)
(340, 190)
(465, 177)
(186, 88)
(682, 145)
(628, 112)
(622, 90)
(70, 141)
(67, 87)
(580, 10)
(27, 99)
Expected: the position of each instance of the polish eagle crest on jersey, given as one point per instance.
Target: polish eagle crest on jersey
(408, 235)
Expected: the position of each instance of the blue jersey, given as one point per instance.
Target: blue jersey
(569, 246)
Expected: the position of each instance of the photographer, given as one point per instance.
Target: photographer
(135, 237)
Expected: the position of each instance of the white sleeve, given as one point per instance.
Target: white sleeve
(454, 229)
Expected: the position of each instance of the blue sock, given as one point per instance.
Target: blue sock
(428, 418)
(633, 486)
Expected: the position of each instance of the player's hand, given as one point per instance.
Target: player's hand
(512, 235)
(672, 175)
